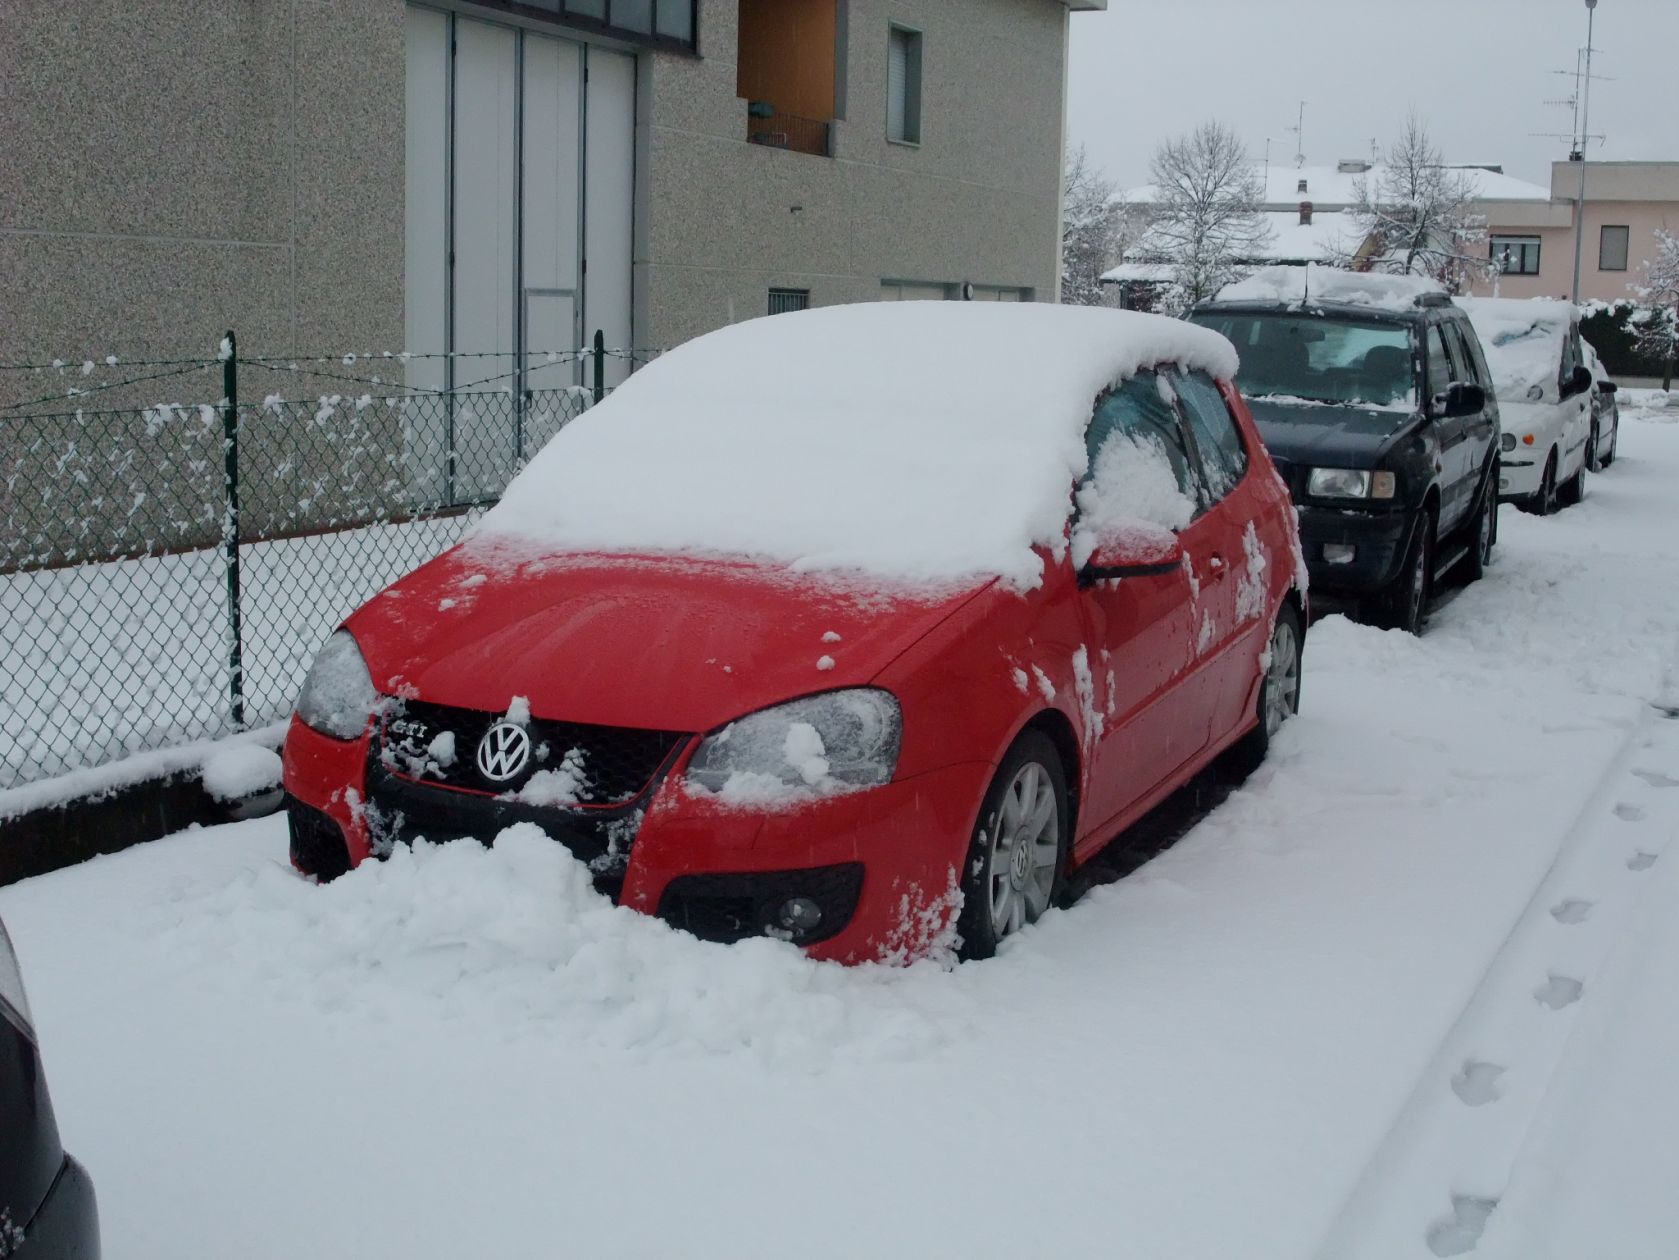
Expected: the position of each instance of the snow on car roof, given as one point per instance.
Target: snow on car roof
(911, 441)
(1523, 341)
(1295, 286)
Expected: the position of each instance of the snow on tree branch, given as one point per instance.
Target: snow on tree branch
(1418, 215)
(1206, 215)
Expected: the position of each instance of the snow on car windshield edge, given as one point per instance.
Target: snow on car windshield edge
(913, 442)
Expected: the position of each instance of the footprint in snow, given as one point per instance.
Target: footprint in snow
(1627, 812)
(1460, 1233)
(1641, 861)
(1477, 1083)
(1559, 991)
(1655, 778)
(1571, 910)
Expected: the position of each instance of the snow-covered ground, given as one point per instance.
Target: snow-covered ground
(1408, 992)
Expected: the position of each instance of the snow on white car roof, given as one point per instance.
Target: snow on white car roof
(910, 441)
(1312, 284)
(1523, 341)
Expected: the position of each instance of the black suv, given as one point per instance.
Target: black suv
(47, 1209)
(1381, 417)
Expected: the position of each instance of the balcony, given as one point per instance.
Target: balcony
(768, 126)
(787, 71)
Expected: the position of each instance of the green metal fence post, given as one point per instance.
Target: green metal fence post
(230, 528)
(600, 364)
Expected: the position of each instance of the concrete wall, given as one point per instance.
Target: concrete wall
(171, 169)
(721, 221)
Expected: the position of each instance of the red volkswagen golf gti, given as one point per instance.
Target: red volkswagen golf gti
(859, 627)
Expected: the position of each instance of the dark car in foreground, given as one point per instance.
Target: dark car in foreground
(1374, 399)
(47, 1208)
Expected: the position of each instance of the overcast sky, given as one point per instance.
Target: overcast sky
(1477, 71)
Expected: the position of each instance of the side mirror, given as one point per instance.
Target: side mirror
(1607, 387)
(1580, 382)
(1461, 399)
(1135, 549)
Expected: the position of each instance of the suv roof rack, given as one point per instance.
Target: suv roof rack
(1434, 299)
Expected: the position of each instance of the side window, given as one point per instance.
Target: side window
(1136, 432)
(1439, 363)
(1478, 359)
(1468, 370)
(1217, 438)
(1570, 360)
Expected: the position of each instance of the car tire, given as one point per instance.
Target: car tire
(1404, 605)
(1593, 462)
(1485, 538)
(1573, 490)
(1614, 442)
(1018, 855)
(1279, 687)
(1543, 501)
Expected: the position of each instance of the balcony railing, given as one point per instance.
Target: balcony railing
(768, 126)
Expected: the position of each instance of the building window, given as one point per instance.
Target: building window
(788, 70)
(1516, 255)
(903, 86)
(1612, 247)
(784, 300)
(662, 23)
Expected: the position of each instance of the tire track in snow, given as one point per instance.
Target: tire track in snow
(1434, 1183)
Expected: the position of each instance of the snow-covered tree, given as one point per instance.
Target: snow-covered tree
(1658, 333)
(1417, 215)
(1093, 220)
(1206, 213)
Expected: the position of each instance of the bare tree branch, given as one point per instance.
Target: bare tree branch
(1206, 213)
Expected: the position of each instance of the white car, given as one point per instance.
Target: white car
(1545, 395)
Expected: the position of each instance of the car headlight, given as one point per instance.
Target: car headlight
(1349, 483)
(338, 696)
(1507, 442)
(837, 739)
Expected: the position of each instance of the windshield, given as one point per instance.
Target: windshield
(1367, 362)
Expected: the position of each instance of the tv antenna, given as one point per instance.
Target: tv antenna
(1299, 130)
(1582, 76)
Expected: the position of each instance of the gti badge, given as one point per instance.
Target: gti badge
(503, 752)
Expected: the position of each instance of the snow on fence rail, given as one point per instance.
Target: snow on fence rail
(134, 620)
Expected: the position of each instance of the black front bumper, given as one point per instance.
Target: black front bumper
(66, 1225)
(1380, 539)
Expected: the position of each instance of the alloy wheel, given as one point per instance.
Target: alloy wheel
(1025, 850)
(1282, 676)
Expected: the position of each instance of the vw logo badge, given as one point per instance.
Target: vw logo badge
(503, 752)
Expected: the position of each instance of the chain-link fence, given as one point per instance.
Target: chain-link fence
(167, 572)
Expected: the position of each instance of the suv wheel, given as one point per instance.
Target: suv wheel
(1486, 531)
(1405, 602)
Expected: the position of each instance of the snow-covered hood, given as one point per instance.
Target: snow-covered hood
(1529, 417)
(1328, 434)
(658, 643)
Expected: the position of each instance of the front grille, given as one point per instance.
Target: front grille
(1290, 475)
(616, 763)
(401, 810)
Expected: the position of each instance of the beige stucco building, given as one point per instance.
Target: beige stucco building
(1534, 238)
(506, 178)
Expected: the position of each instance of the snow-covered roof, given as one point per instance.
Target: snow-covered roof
(1523, 342)
(911, 441)
(1326, 236)
(1291, 286)
(1328, 187)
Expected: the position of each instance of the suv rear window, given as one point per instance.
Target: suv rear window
(1367, 362)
